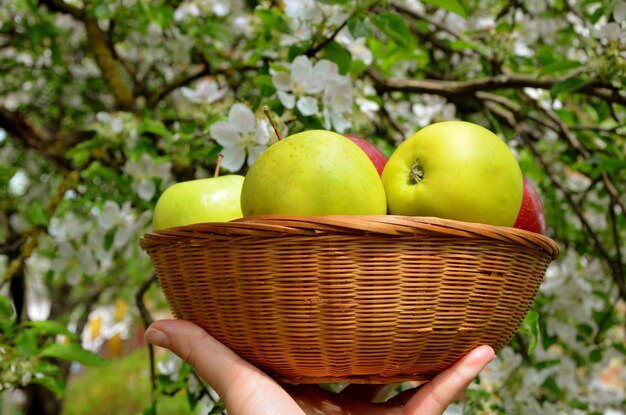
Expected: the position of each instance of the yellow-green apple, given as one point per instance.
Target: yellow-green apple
(314, 172)
(214, 199)
(455, 170)
(531, 215)
(378, 158)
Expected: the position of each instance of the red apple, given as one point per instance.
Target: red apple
(531, 216)
(373, 152)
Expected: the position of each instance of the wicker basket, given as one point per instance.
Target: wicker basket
(359, 299)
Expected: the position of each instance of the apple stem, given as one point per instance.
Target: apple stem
(218, 165)
(268, 114)
(417, 172)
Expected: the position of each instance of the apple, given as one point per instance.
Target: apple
(454, 170)
(214, 199)
(531, 215)
(373, 152)
(314, 172)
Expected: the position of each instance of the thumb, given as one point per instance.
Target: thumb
(245, 389)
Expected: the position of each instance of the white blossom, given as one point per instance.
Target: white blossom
(520, 48)
(170, 367)
(74, 262)
(484, 23)
(38, 303)
(103, 323)
(356, 47)
(337, 100)
(306, 16)
(186, 10)
(199, 8)
(69, 228)
(619, 12)
(297, 86)
(144, 171)
(206, 91)
(501, 368)
(303, 83)
(112, 122)
(243, 137)
(19, 183)
(123, 219)
(19, 223)
(430, 107)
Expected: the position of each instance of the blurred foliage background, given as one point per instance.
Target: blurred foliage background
(103, 104)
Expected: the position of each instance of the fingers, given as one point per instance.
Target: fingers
(244, 388)
(434, 397)
(211, 360)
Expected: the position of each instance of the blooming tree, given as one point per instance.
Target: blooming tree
(103, 104)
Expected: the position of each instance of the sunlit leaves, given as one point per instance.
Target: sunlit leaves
(569, 85)
(338, 54)
(454, 6)
(394, 27)
(74, 353)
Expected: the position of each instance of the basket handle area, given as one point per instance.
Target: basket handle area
(268, 226)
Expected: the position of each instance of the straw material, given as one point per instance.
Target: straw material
(359, 299)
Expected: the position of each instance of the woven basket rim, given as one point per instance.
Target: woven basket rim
(273, 226)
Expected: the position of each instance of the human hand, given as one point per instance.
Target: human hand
(246, 390)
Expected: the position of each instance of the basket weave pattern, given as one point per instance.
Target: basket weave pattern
(377, 299)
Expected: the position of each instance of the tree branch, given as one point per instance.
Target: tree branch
(109, 67)
(103, 53)
(565, 131)
(530, 136)
(450, 88)
(179, 82)
(482, 50)
(31, 136)
(315, 48)
(146, 318)
(61, 6)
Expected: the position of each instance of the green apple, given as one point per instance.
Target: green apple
(311, 173)
(455, 170)
(214, 199)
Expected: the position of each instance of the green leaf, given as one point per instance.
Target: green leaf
(530, 329)
(453, 6)
(272, 19)
(265, 85)
(149, 125)
(37, 214)
(460, 45)
(294, 52)
(161, 15)
(109, 238)
(357, 28)
(394, 27)
(73, 352)
(151, 410)
(50, 327)
(6, 309)
(568, 85)
(26, 343)
(595, 356)
(559, 66)
(55, 386)
(101, 11)
(218, 408)
(603, 164)
(338, 54)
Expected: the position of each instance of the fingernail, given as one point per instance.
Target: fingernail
(156, 337)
